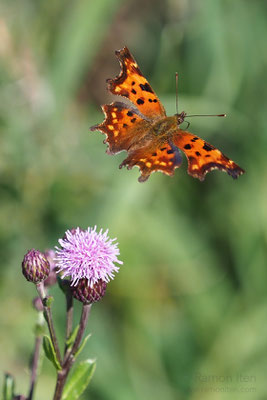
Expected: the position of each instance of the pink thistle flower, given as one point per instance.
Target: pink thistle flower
(87, 254)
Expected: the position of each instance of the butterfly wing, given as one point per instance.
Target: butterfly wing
(155, 156)
(126, 130)
(131, 83)
(203, 157)
(122, 126)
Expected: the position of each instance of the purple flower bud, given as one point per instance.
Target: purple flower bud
(35, 266)
(52, 277)
(87, 294)
(38, 304)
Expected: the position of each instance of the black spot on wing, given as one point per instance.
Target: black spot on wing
(130, 114)
(191, 158)
(187, 147)
(140, 101)
(146, 87)
(207, 147)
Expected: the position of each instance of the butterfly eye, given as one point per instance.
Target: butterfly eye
(180, 118)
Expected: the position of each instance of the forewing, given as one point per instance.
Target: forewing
(132, 84)
(203, 157)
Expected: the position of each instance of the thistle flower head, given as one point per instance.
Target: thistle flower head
(87, 254)
(87, 294)
(35, 266)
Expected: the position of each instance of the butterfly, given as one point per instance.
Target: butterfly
(151, 139)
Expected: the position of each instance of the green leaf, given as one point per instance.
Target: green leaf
(82, 345)
(8, 388)
(50, 352)
(48, 301)
(79, 380)
(70, 340)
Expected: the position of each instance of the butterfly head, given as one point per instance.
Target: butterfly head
(180, 117)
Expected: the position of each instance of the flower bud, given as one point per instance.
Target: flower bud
(35, 266)
(87, 294)
(38, 304)
(52, 277)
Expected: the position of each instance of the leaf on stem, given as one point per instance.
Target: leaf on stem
(70, 340)
(8, 387)
(79, 380)
(82, 345)
(50, 352)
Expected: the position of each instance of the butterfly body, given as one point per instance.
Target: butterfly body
(164, 126)
(152, 139)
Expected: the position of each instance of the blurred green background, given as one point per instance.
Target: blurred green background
(190, 302)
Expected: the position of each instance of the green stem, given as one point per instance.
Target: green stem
(83, 322)
(69, 360)
(69, 320)
(35, 363)
(48, 318)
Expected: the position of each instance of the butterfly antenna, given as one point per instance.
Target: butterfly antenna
(176, 82)
(206, 115)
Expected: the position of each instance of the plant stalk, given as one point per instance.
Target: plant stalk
(49, 320)
(67, 364)
(69, 320)
(35, 363)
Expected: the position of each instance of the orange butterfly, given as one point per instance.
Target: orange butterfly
(152, 139)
